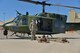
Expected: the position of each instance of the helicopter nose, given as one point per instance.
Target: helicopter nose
(7, 24)
(10, 24)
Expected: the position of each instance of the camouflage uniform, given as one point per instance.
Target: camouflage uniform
(33, 29)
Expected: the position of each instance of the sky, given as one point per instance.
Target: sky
(8, 8)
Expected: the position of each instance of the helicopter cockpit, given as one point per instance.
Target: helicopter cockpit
(21, 20)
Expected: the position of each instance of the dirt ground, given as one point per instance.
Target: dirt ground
(15, 45)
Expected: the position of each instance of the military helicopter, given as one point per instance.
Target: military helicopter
(48, 23)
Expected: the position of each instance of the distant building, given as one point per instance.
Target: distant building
(74, 17)
(73, 23)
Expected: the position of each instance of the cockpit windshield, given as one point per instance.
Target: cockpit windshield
(16, 19)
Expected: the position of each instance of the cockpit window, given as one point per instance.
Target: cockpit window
(24, 21)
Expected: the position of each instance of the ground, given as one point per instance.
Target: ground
(28, 46)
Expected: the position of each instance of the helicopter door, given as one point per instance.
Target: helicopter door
(45, 24)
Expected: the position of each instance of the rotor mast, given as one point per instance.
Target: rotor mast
(43, 3)
(43, 7)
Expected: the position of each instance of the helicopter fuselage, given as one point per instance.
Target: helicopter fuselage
(46, 24)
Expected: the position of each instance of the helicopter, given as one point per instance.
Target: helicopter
(48, 23)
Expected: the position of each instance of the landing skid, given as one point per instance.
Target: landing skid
(13, 34)
(23, 37)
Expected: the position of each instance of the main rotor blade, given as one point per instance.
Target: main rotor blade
(36, 2)
(65, 6)
(44, 3)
